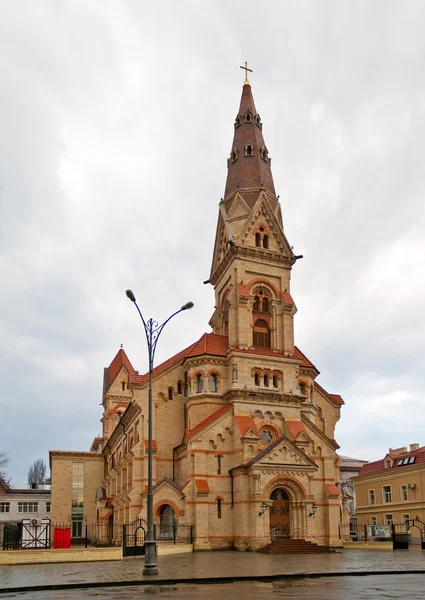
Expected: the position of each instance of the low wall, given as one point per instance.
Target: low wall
(368, 545)
(27, 557)
(22, 557)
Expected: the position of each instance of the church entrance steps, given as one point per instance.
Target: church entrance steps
(287, 546)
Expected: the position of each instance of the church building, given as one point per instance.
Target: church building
(243, 434)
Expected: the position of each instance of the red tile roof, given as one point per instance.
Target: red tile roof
(245, 424)
(332, 489)
(287, 298)
(302, 357)
(121, 360)
(209, 343)
(337, 398)
(216, 415)
(295, 428)
(202, 485)
(378, 466)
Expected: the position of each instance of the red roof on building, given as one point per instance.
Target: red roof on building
(287, 298)
(121, 360)
(216, 415)
(295, 428)
(337, 398)
(245, 424)
(202, 485)
(209, 343)
(332, 489)
(378, 466)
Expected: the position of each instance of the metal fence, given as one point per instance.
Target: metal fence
(177, 533)
(59, 535)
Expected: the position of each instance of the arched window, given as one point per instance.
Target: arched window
(218, 508)
(275, 381)
(237, 121)
(248, 117)
(258, 119)
(257, 379)
(213, 383)
(218, 464)
(234, 154)
(256, 305)
(199, 383)
(249, 150)
(170, 393)
(265, 304)
(261, 334)
(123, 386)
(179, 388)
(302, 389)
(265, 241)
(166, 522)
(266, 380)
(258, 240)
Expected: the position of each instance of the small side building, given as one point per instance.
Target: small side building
(391, 490)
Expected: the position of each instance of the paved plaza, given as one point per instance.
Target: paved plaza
(370, 587)
(206, 567)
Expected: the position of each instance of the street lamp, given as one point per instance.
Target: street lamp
(313, 509)
(152, 330)
(263, 509)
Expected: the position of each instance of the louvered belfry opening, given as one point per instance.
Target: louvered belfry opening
(261, 334)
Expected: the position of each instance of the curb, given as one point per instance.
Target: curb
(203, 580)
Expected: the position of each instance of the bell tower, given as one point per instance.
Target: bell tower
(252, 258)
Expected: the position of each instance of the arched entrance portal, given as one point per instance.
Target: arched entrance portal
(279, 513)
(166, 522)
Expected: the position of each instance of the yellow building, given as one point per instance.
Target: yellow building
(239, 417)
(392, 490)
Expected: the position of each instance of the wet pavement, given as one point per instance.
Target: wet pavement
(327, 588)
(207, 567)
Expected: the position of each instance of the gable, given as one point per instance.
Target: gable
(283, 452)
(263, 214)
(239, 209)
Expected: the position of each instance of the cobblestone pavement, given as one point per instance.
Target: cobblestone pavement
(208, 565)
(398, 587)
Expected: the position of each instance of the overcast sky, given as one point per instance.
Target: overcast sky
(116, 122)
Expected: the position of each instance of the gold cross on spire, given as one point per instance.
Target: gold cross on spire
(246, 82)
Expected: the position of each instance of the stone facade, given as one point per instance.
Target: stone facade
(239, 418)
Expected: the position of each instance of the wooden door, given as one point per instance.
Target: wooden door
(279, 518)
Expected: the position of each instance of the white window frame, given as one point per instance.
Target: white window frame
(371, 493)
(4, 507)
(404, 488)
(406, 517)
(28, 508)
(48, 507)
(373, 521)
(384, 497)
(391, 515)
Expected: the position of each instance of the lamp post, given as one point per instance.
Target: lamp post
(152, 330)
(313, 510)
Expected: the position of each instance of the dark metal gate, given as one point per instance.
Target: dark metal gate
(11, 537)
(133, 538)
(400, 536)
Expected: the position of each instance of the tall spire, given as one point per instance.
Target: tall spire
(249, 162)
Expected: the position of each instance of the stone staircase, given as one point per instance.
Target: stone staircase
(287, 546)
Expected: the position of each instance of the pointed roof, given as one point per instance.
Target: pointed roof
(120, 360)
(253, 170)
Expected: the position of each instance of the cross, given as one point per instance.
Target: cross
(246, 72)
